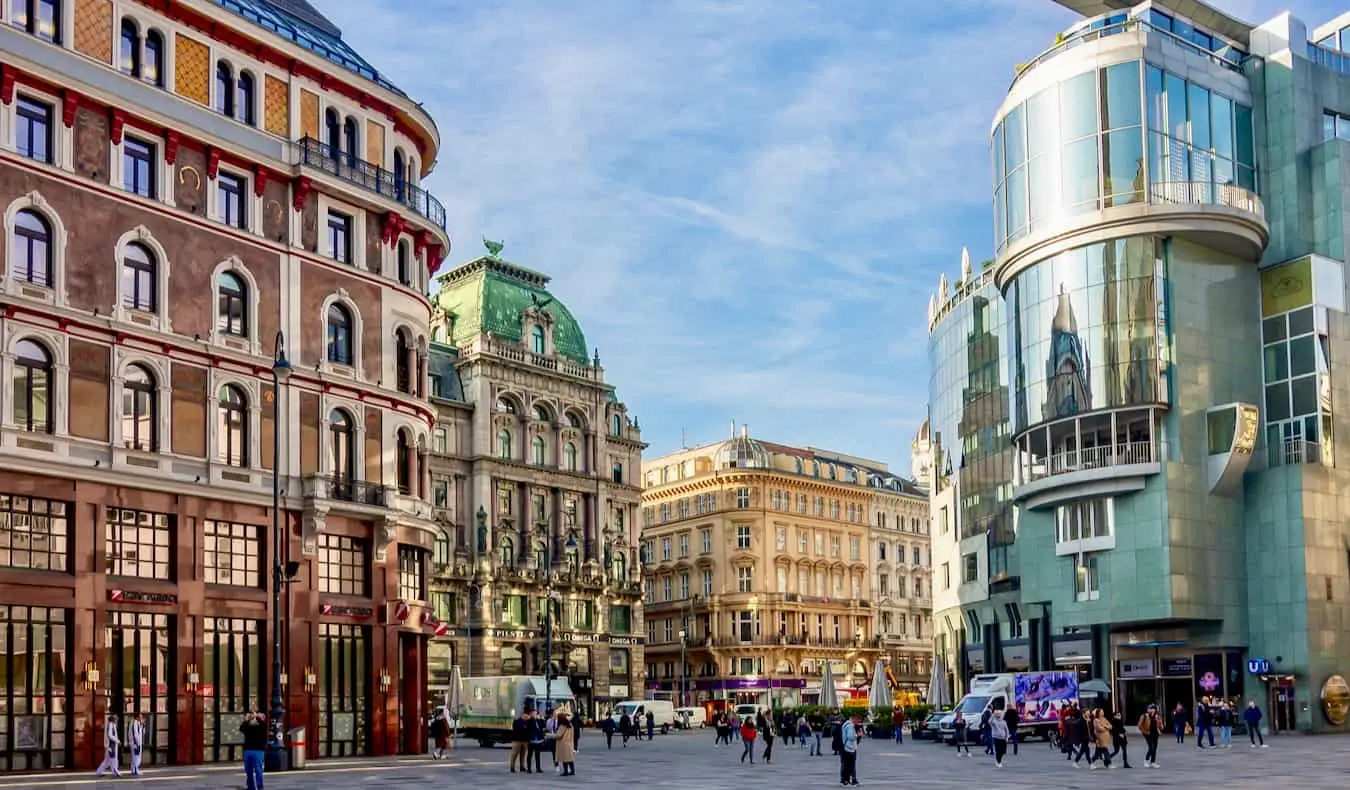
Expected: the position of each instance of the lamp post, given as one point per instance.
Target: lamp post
(684, 677)
(571, 548)
(276, 748)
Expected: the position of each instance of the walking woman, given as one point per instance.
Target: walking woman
(960, 731)
(766, 727)
(748, 738)
(1151, 727)
(998, 736)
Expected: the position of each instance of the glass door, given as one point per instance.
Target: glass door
(35, 650)
(232, 677)
(140, 680)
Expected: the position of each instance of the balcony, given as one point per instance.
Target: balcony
(515, 352)
(1090, 455)
(343, 490)
(371, 177)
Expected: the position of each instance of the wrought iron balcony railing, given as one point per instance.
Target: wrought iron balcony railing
(346, 166)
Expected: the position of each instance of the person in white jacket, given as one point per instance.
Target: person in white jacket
(110, 748)
(136, 737)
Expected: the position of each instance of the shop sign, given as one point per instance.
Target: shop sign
(511, 634)
(576, 637)
(334, 610)
(1139, 668)
(1336, 700)
(617, 691)
(1176, 667)
(625, 641)
(1258, 666)
(131, 596)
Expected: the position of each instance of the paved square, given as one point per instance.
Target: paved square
(689, 761)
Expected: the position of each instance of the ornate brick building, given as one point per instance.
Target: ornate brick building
(183, 186)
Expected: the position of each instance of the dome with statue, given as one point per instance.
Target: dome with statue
(742, 452)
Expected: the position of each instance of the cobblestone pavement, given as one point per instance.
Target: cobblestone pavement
(689, 761)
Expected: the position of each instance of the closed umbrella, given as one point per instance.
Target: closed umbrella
(937, 687)
(879, 696)
(454, 700)
(829, 696)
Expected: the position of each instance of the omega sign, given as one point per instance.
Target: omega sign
(625, 641)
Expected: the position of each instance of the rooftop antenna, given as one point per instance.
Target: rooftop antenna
(684, 439)
(733, 428)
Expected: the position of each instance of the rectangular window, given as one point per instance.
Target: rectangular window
(620, 619)
(666, 589)
(853, 549)
(884, 584)
(801, 504)
(138, 167)
(34, 533)
(684, 546)
(706, 537)
(343, 563)
(684, 585)
(742, 537)
(916, 556)
(33, 129)
(513, 610)
(834, 546)
(946, 576)
(781, 538)
(803, 541)
(230, 191)
(232, 554)
(581, 615)
(742, 498)
(782, 581)
(971, 568)
(339, 237)
(1087, 583)
(745, 579)
(412, 573)
(707, 583)
(665, 549)
(138, 543)
(444, 606)
(440, 441)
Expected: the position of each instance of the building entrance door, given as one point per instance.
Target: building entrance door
(344, 694)
(1281, 707)
(413, 708)
(141, 655)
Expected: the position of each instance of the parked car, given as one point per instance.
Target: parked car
(689, 718)
(931, 729)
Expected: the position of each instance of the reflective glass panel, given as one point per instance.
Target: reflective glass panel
(1120, 95)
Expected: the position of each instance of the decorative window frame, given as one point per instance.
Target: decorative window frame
(144, 26)
(355, 370)
(63, 138)
(56, 343)
(327, 403)
(390, 426)
(163, 170)
(252, 389)
(358, 232)
(56, 294)
(159, 319)
(253, 203)
(251, 343)
(417, 344)
(161, 368)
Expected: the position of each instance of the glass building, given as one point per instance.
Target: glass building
(1169, 232)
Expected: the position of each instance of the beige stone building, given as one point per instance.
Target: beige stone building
(902, 581)
(757, 553)
(534, 468)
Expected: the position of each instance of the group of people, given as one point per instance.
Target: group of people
(845, 732)
(533, 734)
(1221, 714)
(112, 746)
(629, 727)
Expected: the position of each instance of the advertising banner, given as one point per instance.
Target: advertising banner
(1040, 695)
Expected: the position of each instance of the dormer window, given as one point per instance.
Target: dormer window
(537, 339)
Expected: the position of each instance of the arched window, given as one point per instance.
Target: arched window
(508, 554)
(224, 89)
(332, 132)
(244, 104)
(537, 451)
(131, 49)
(405, 471)
(32, 385)
(506, 406)
(340, 439)
(32, 249)
(152, 63)
(537, 339)
(616, 425)
(232, 426)
(570, 457)
(138, 279)
(349, 141)
(231, 305)
(542, 414)
(339, 334)
(402, 258)
(140, 409)
(400, 175)
(504, 444)
(574, 420)
(541, 555)
(403, 361)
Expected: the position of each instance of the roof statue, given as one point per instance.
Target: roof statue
(494, 248)
(942, 288)
(932, 307)
(965, 265)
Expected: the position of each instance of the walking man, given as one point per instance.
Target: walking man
(522, 732)
(848, 755)
(254, 730)
(1151, 727)
(136, 737)
(111, 745)
(1252, 716)
(898, 722)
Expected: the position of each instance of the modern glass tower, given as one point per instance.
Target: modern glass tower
(1170, 203)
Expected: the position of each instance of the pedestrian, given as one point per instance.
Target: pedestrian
(1151, 727)
(998, 737)
(1101, 736)
(651, 726)
(607, 727)
(549, 742)
(625, 728)
(748, 738)
(254, 730)
(984, 729)
(564, 750)
(111, 746)
(1180, 722)
(803, 731)
(521, 733)
(1118, 739)
(817, 722)
(576, 721)
(440, 735)
(1082, 738)
(1225, 718)
(766, 728)
(136, 740)
(848, 752)
(537, 745)
(1204, 723)
(961, 733)
(898, 722)
(1011, 719)
(1252, 716)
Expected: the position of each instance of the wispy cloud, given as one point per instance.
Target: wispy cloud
(746, 202)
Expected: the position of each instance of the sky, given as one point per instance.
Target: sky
(746, 203)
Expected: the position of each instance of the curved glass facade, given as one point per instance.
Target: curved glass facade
(1086, 330)
(968, 393)
(1079, 146)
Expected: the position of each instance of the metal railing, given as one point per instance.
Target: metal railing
(1080, 460)
(1204, 193)
(1329, 58)
(794, 640)
(1295, 452)
(346, 166)
(344, 489)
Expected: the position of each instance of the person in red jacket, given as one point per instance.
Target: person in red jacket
(748, 733)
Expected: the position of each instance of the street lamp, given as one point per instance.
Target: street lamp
(571, 548)
(684, 677)
(276, 748)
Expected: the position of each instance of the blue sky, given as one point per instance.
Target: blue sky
(745, 202)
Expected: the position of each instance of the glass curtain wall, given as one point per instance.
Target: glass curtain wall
(233, 682)
(35, 655)
(1079, 146)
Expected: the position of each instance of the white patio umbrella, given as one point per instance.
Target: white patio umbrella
(937, 687)
(879, 696)
(454, 701)
(829, 695)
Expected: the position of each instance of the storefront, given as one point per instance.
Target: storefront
(36, 645)
(233, 681)
(1165, 673)
(142, 649)
(765, 692)
(344, 689)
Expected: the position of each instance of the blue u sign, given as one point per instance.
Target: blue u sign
(1258, 666)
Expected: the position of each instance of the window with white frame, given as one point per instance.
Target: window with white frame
(232, 199)
(1087, 581)
(705, 536)
(742, 498)
(742, 536)
(745, 579)
(707, 583)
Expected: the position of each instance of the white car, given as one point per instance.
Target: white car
(689, 718)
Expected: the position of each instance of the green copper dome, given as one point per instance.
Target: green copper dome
(490, 295)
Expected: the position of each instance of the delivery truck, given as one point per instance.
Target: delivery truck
(1037, 697)
(492, 703)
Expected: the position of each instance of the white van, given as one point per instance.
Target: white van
(689, 718)
(744, 712)
(662, 710)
